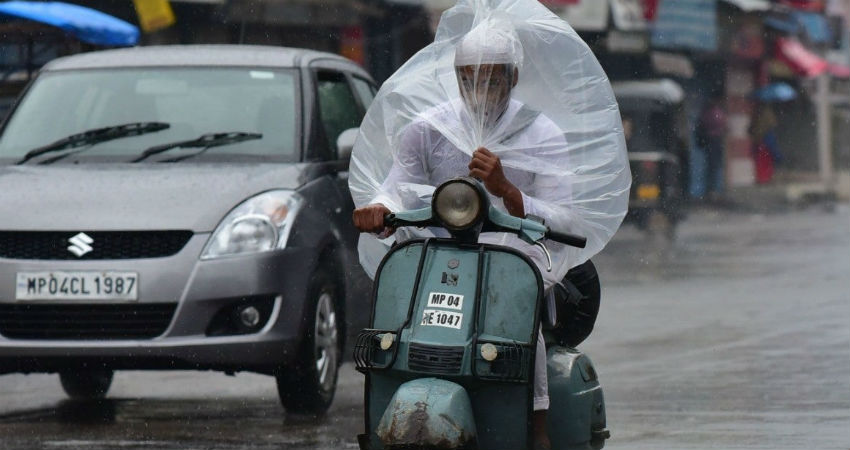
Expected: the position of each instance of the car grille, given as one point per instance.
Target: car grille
(118, 321)
(432, 359)
(53, 245)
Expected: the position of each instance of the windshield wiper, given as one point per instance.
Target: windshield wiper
(205, 142)
(95, 136)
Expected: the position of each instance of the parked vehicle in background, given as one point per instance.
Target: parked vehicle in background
(183, 207)
(657, 137)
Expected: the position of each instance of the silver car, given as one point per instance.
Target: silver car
(183, 207)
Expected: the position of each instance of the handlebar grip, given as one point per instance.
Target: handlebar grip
(390, 220)
(567, 238)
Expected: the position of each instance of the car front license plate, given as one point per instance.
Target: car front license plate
(77, 286)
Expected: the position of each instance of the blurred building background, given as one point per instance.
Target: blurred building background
(745, 52)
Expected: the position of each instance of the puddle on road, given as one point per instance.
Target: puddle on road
(712, 245)
(172, 424)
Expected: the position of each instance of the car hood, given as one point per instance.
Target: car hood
(99, 197)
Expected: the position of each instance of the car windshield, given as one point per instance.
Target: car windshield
(192, 101)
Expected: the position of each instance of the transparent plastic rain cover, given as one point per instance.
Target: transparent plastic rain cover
(512, 77)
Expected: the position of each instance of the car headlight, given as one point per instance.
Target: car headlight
(259, 224)
(458, 204)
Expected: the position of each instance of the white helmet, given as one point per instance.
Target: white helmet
(493, 41)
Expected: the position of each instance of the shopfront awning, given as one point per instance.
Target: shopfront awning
(804, 62)
(597, 15)
(805, 5)
(839, 71)
(628, 15)
(783, 23)
(815, 26)
(86, 24)
(799, 58)
(750, 5)
(686, 24)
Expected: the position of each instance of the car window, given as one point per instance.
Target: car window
(193, 102)
(365, 90)
(338, 109)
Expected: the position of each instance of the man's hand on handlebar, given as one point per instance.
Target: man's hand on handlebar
(370, 219)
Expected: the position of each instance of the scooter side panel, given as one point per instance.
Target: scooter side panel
(509, 298)
(382, 387)
(501, 415)
(395, 287)
(577, 407)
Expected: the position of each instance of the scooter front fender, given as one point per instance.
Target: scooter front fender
(428, 413)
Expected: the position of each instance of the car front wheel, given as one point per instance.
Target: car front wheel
(310, 387)
(86, 384)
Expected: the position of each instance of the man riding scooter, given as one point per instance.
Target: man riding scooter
(519, 156)
(486, 72)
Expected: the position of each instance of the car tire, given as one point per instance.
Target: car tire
(86, 384)
(310, 387)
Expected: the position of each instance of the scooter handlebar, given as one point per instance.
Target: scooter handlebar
(415, 218)
(422, 217)
(567, 238)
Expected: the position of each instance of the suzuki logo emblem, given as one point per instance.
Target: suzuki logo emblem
(80, 244)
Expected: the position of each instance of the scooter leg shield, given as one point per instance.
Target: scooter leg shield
(428, 413)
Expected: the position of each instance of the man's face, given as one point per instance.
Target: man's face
(486, 89)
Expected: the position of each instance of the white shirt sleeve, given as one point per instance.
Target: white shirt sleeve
(549, 196)
(408, 167)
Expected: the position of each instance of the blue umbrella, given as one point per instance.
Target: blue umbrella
(775, 92)
(86, 24)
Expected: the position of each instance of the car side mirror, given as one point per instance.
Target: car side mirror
(345, 143)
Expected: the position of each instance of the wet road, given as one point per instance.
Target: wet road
(736, 336)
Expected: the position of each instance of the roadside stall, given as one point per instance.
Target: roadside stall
(33, 33)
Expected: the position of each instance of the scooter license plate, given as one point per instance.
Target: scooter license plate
(438, 318)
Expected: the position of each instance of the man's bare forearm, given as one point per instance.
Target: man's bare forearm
(512, 199)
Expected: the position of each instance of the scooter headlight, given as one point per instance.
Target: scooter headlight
(458, 204)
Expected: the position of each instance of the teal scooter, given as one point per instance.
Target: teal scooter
(449, 357)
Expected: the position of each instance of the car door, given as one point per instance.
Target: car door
(343, 99)
(341, 106)
(364, 92)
